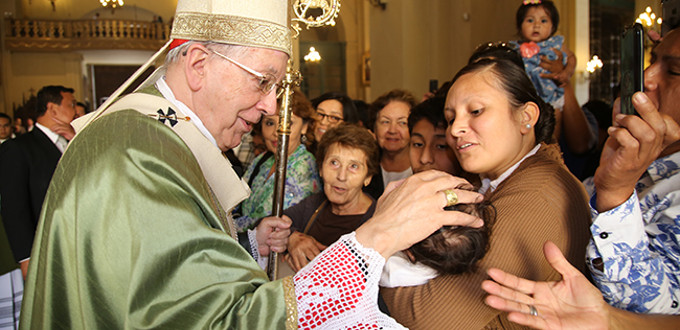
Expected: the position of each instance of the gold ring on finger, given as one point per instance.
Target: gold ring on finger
(451, 197)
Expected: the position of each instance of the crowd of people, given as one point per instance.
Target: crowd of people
(466, 210)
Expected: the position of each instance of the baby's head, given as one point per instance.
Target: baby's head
(456, 250)
(537, 20)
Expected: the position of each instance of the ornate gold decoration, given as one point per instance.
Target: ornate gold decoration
(329, 11)
(232, 30)
(291, 303)
(301, 8)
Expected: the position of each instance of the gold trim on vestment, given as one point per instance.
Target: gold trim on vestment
(233, 30)
(291, 303)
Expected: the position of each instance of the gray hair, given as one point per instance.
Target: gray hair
(228, 50)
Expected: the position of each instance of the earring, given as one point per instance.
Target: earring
(528, 125)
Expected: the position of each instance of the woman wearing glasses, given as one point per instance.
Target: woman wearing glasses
(389, 115)
(332, 109)
(302, 177)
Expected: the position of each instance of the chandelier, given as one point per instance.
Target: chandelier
(112, 3)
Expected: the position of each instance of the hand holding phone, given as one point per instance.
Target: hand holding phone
(632, 57)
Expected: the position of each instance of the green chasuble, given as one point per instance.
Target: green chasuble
(132, 236)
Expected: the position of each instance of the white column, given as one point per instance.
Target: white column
(582, 50)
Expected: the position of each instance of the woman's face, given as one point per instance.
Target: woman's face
(328, 115)
(344, 172)
(537, 25)
(391, 126)
(269, 126)
(486, 133)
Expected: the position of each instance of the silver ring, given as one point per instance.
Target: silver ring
(532, 310)
(451, 197)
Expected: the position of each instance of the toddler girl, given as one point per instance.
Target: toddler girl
(537, 21)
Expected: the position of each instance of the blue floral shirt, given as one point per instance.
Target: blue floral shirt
(302, 180)
(547, 88)
(639, 243)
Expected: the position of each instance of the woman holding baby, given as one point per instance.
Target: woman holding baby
(501, 130)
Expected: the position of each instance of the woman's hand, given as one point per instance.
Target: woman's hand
(302, 249)
(412, 209)
(572, 303)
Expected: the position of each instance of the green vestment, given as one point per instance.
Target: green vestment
(132, 235)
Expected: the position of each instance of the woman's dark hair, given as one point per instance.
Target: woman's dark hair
(385, 99)
(302, 107)
(453, 249)
(362, 111)
(514, 81)
(351, 136)
(549, 8)
(431, 109)
(496, 50)
(349, 111)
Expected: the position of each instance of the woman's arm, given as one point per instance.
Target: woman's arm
(531, 208)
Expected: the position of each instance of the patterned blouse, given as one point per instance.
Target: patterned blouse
(639, 243)
(531, 53)
(302, 180)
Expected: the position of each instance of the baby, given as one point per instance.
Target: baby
(537, 21)
(450, 250)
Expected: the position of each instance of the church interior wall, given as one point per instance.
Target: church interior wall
(409, 42)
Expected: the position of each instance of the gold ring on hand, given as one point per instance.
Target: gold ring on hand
(451, 197)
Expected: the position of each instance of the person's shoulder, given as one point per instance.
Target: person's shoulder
(9, 148)
(22, 142)
(543, 171)
(302, 152)
(125, 130)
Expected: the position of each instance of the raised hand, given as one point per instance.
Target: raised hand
(572, 303)
(412, 209)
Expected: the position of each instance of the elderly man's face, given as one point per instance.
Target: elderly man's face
(662, 77)
(231, 102)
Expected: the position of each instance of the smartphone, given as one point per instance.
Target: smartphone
(632, 57)
(434, 85)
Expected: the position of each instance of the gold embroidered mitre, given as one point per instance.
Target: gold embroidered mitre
(252, 23)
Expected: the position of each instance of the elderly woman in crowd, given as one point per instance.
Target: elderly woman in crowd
(389, 114)
(347, 158)
(498, 129)
(332, 109)
(302, 178)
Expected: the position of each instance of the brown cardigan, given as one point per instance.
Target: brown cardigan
(540, 201)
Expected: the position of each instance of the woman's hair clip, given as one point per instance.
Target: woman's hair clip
(531, 2)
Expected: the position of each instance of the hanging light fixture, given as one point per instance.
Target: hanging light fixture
(648, 18)
(112, 3)
(312, 56)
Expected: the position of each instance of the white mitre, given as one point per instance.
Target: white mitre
(252, 23)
